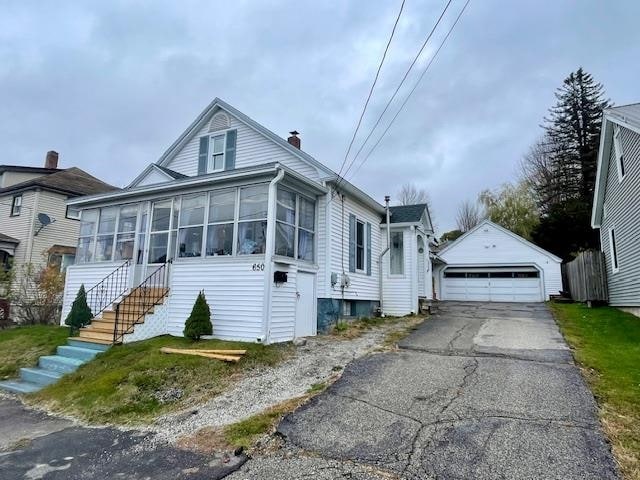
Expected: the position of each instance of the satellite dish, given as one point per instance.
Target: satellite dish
(44, 220)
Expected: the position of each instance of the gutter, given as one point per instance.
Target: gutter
(382, 254)
(268, 257)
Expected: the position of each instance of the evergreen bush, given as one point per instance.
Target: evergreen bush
(80, 314)
(199, 322)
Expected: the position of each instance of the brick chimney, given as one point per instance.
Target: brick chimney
(294, 139)
(51, 161)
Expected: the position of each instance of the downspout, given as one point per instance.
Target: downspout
(380, 269)
(268, 254)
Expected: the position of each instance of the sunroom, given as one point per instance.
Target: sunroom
(226, 233)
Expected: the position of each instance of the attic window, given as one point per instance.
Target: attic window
(617, 150)
(220, 121)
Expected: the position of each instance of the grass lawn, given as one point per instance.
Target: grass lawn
(22, 346)
(134, 383)
(400, 327)
(606, 343)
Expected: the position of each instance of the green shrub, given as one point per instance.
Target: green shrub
(80, 314)
(199, 322)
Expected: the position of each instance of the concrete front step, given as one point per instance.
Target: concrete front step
(59, 364)
(18, 386)
(79, 353)
(39, 376)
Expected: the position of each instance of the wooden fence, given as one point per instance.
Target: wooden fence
(587, 277)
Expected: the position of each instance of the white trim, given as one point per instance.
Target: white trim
(458, 240)
(618, 152)
(613, 251)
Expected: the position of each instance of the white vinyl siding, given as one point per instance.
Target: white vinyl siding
(623, 215)
(401, 291)
(363, 286)
(252, 149)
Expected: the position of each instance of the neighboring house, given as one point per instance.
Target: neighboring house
(36, 227)
(280, 245)
(616, 206)
(491, 263)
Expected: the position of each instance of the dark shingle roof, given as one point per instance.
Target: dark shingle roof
(406, 213)
(72, 181)
(172, 173)
(21, 168)
(7, 238)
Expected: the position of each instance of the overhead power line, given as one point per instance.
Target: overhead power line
(375, 80)
(404, 78)
(412, 90)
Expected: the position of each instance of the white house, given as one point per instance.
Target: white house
(491, 263)
(280, 245)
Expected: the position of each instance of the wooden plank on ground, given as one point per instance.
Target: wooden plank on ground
(226, 358)
(220, 352)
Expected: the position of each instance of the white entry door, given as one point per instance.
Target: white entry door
(305, 306)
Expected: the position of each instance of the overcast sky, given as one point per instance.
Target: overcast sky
(111, 84)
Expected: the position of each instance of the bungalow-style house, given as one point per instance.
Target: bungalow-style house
(492, 264)
(280, 244)
(616, 205)
(36, 226)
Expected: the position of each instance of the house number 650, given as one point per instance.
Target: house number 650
(258, 267)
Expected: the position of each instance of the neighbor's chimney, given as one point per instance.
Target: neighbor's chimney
(51, 161)
(294, 139)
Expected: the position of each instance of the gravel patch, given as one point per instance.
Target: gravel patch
(315, 362)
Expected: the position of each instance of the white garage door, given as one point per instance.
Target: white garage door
(493, 285)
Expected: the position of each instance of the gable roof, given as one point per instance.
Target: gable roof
(72, 181)
(23, 169)
(167, 172)
(524, 241)
(627, 116)
(205, 115)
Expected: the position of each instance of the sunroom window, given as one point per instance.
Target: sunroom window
(125, 237)
(191, 226)
(106, 230)
(88, 221)
(295, 225)
(163, 234)
(252, 219)
(222, 213)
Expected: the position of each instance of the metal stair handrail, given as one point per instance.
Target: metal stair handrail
(140, 301)
(108, 290)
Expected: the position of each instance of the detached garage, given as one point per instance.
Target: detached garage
(491, 264)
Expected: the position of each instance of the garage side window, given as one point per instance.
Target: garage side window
(396, 254)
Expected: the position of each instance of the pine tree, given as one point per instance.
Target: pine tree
(573, 135)
(199, 322)
(80, 314)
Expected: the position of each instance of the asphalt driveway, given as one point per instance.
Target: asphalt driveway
(479, 391)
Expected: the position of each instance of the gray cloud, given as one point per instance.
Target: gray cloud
(111, 84)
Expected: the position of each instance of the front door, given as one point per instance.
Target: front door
(305, 306)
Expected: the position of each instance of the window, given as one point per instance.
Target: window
(106, 230)
(613, 250)
(191, 226)
(295, 226)
(619, 154)
(360, 245)
(449, 274)
(72, 213)
(16, 205)
(162, 237)
(126, 234)
(216, 153)
(252, 219)
(142, 234)
(222, 214)
(86, 237)
(396, 257)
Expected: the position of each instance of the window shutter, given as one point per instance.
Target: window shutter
(368, 248)
(202, 156)
(352, 242)
(230, 153)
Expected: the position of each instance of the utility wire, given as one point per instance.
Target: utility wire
(413, 89)
(404, 78)
(375, 80)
